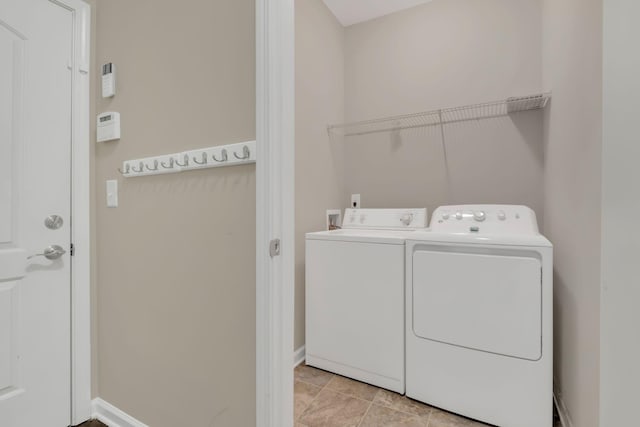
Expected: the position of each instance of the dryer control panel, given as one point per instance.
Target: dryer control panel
(385, 219)
(487, 219)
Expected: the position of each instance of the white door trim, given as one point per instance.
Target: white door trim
(275, 211)
(80, 213)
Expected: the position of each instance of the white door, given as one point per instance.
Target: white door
(35, 159)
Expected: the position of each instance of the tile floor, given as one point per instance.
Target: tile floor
(323, 399)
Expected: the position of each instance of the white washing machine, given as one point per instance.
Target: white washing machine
(355, 295)
(479, 315)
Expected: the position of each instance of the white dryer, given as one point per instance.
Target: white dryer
(479, 315)
(355, 295)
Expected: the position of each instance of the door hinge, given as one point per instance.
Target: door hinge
(274, 248)
(72, 250)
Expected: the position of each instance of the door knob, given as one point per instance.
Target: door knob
(52, 252)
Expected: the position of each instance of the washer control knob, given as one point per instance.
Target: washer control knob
(502, 216)
(406, 219)
(458, 215)
(445, 215)
(479, 216)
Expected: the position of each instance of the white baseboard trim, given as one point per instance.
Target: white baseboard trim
(112, 416)
(565, 419)
(299, 356)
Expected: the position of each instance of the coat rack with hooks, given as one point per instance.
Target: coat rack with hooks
(211, 157)
(443, 116)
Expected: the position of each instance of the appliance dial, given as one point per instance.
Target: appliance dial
(406, 219)
(479, 216)
(458, 215)
(502, 216)
(445, 215)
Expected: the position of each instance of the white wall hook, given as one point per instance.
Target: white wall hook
(223, 157)
(170, 165)
(203, 161)
(155, 166)
(126, 171)
(186, 161)
(246, 153)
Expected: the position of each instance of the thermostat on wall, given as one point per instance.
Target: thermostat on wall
(108, 126)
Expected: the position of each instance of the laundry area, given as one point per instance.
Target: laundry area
(319, 213)
(424, 271)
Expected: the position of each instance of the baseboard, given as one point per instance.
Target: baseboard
(112, 416)
(298, 356)
(565, 419)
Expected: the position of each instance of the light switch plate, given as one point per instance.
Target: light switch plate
(112, 193)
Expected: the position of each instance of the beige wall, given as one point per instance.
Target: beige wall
(446, 53)
(176, 260)
(319, 101)
(573, 71)
(620, 317)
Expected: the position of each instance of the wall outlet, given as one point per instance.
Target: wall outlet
(355, 201)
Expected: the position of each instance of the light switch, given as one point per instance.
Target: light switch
(112, 193)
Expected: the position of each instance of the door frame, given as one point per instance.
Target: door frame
(275, 126)
(80, 211)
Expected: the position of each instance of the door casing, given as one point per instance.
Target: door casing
(275, 211)
(80, 211)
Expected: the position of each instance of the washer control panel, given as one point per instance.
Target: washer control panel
(488, 219)
(385, 219)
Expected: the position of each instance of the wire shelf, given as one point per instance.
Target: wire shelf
(443, 116)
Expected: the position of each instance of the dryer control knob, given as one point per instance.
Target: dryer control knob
(502, 216)
(406, 219)
(445, 215)
(458, 215)
(479, 216)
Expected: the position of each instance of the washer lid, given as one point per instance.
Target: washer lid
(363, 236)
